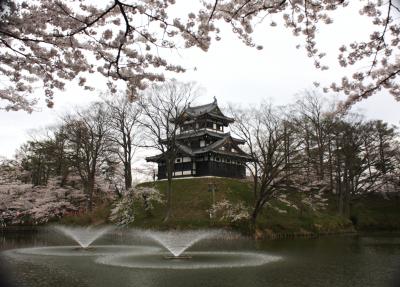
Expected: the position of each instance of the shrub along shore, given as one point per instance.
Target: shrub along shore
(295, 213)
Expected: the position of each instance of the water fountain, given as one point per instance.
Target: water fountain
(141, 254)
(176, 242)
(84, 236)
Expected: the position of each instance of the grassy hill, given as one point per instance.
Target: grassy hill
(191, 202)
(307, 212)
(376, 213)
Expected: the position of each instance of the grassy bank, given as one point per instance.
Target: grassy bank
(376, 213)
(99, 215)
(191, 202)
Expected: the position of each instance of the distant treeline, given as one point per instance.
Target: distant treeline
(90, 142)
(291, 146)
(309, 141)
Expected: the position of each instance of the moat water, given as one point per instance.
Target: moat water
(47, 258)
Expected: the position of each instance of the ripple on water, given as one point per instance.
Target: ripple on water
(98, 250)
(199, 260)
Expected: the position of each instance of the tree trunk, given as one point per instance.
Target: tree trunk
(340, 197)
(339, 187)
(169, 190)
(146, 206)
(330, 164)
(253, 220)
(255, 214)
(255, 183)
(308, 155)
(345, 191)
(321, 164)
(348, 189)
(90, 191)
(128, 175)
(64, 177)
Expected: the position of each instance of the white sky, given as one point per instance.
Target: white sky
(233, 73)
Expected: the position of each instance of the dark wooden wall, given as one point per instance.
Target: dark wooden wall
(207, 168)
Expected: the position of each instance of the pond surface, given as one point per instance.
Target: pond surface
(122, 260)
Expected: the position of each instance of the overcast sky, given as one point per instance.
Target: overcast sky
(233, 73)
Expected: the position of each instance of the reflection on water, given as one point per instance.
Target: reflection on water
(194, 260)
(98, 250)
(358, 261)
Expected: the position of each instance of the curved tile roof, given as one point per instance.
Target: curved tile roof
(211, 109)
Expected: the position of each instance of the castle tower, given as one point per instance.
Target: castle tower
(205, 149)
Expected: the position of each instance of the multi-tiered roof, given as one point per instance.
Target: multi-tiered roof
(202, 138)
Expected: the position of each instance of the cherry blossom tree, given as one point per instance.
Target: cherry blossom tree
(53, 42)
(124, 209)
(379, 53)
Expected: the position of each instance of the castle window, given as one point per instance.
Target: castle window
(202, 143)
(187, 127)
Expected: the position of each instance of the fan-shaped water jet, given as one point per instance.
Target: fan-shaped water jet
(177, 242)
(84, 236)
